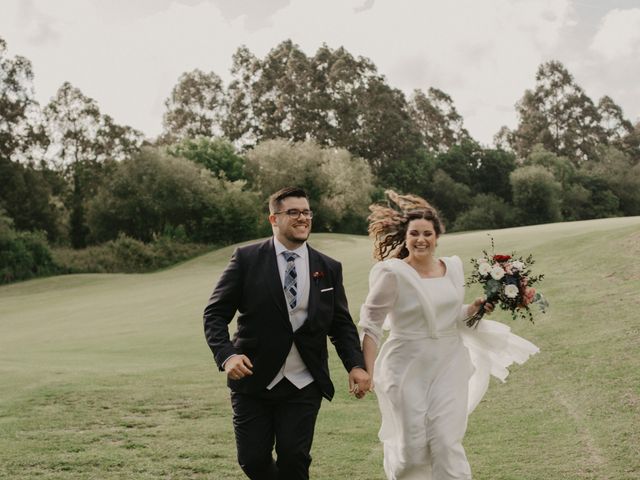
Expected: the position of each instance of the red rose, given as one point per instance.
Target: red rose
(501, 258)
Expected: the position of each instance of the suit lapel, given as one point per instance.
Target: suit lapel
(272, 277)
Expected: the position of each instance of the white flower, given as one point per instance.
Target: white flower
(497, 272)
(484, 269)
(517, 265)
(482, 260)
(511, 291)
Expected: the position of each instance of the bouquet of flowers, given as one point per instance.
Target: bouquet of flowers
(508, 282)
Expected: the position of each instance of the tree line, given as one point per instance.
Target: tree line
(70, 177)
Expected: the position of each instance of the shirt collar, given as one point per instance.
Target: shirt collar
(301, 251)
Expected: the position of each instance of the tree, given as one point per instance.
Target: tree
(81, 142)
(574, 197)
(339, 186)
(152, 193)
(563, 170)
(558, 115)
(492, 173)
(617, 130)
(240, 125)
(25, 193)
(537, 194)
(28, 198)
(439, 123)
(22, 254)
(503, 139)
(195, 108)
(339, 80)
(19, 111)
(448, 196)
(461, 162)
(488, 211)
(354, 108)
(348, 193)
(269, 98)
(386, 132)
(622, 177)
(411, 174)
(333, 98)
(217, 155)
(78, 132)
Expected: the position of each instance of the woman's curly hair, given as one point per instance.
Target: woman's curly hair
(388, 223)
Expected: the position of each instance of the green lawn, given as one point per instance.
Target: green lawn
(109, 377)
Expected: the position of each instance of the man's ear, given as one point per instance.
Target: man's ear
(273, 219)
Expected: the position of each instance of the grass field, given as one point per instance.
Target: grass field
(109, 377)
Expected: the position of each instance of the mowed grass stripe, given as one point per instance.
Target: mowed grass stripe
(108, 376)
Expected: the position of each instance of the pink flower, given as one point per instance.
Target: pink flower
(529, 295)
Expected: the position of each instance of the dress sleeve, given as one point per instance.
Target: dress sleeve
(462, 315)
(459, 279)
(383, 290)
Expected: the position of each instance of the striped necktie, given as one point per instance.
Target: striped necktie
(290, 279)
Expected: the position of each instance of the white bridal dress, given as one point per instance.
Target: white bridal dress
(432, 370)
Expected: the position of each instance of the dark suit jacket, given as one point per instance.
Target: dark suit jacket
(251, 286)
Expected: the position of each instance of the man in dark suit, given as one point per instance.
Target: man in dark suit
(289, 298)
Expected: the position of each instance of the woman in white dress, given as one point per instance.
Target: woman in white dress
(432, 370)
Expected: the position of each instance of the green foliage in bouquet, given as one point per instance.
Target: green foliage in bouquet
(508, 282)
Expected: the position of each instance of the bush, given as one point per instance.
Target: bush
(233, 215)
(537, 194)
(339, 186)
(621, 174)
(154, 193)
(126, 255)
(215, 154)
(23, 255)
(488, 211)
(448, 196)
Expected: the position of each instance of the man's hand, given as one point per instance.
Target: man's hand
(359, 382)
(237, 367)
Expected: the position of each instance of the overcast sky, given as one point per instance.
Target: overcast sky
(128, 54)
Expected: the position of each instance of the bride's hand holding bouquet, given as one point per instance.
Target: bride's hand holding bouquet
(508, 282)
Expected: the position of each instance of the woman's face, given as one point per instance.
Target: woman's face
(421, 238)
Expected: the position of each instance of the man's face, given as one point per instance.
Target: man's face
(291, 231)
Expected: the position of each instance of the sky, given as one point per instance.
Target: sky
(129, 54)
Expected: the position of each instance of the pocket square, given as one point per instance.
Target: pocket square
(326, 289)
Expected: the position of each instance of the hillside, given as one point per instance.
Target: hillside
(108, 376)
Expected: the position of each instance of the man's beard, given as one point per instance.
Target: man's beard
(298, 240)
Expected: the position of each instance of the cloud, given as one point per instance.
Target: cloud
(367, 5)
(484, 57)
(128, 55)
(256, 13)
(37, 27)
(618, 35)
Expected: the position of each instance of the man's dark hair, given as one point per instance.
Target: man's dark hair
(275, 200)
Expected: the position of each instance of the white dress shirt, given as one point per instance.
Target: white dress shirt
(294, 368)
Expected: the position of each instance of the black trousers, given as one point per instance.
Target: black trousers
(284, 415)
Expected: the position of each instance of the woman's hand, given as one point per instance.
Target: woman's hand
(477, 303)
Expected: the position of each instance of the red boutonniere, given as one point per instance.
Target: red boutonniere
(317, 276)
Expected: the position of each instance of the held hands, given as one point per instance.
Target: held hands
(237, 367)
(359, 382)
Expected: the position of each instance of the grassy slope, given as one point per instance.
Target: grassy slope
(108, 376)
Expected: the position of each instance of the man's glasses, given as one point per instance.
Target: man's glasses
(295, 213)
